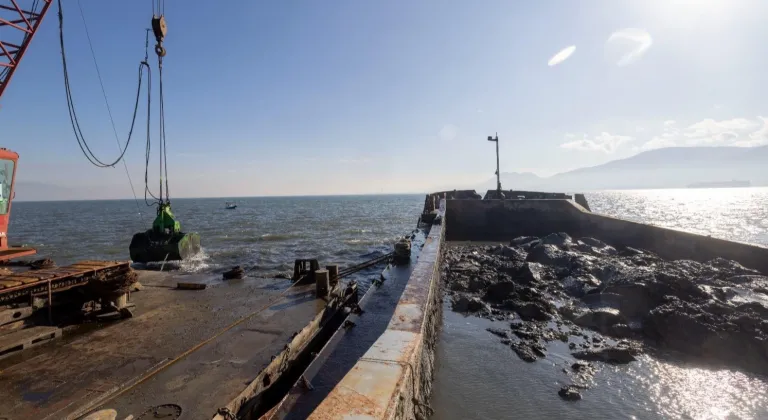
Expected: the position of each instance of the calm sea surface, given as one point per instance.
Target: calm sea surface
(477, 377)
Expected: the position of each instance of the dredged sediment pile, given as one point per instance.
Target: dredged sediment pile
(610, 304)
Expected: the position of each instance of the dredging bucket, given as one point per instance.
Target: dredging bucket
(150, 247)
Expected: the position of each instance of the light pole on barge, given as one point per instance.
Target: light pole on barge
(498, 175)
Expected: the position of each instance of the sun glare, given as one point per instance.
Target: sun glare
(684, 13)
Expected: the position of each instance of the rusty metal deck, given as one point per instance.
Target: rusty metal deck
(168, 353)
(26, 338)
(57, 279)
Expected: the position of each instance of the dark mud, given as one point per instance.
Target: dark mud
(611, 304)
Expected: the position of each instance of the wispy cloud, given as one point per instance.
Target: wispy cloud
(561, 56)
(603, 142)
(629, 44)
(740, 132)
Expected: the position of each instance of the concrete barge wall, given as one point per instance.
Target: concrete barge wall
(393, 379)
(503, 220)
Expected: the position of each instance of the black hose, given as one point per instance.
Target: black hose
(84, 147)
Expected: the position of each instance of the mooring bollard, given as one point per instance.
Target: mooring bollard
(321, 283)
(121, 301)
(333, 275)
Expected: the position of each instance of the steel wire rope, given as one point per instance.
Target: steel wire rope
(148, 148)
(158, 11)
(163, 145)
(109, 109)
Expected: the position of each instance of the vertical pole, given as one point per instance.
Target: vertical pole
(321, 283)
(50, 304)
(333, 275)
(498, 174)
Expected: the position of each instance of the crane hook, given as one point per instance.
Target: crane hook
(160, 29)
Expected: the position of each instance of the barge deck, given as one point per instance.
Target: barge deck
(181, 347)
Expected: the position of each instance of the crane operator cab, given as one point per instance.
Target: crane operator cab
(6, 179)
(8, 161)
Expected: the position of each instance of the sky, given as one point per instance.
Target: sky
(349, 97)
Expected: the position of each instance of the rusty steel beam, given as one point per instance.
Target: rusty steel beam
(58, 279)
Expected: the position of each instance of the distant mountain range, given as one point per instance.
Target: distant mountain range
(674, 167)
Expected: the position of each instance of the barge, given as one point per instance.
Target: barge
(278, 350)
(383, 367)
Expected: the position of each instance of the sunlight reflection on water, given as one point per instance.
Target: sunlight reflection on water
(739, 214)
(689, 392)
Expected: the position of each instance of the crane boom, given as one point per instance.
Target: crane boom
(18, 26)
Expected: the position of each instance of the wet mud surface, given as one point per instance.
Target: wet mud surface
(610, 305)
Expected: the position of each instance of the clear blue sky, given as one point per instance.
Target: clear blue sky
(289, 97)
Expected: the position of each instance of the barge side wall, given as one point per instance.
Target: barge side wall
(503, 220)
(393, 379)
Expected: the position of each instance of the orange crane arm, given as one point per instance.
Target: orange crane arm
(18, 26)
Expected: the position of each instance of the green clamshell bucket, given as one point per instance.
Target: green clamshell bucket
(165, 241)
(149, 246)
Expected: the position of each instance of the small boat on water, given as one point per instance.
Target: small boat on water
(230, 205)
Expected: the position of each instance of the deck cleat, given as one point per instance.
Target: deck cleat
(165, 241)
(402, 254)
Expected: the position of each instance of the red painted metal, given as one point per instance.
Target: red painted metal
(6, 252)
(17, 27)
(6, 154)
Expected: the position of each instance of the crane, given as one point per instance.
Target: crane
(18, 25)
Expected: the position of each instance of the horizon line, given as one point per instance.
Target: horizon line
(223, 197)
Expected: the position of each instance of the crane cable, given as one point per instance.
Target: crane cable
(164, 195)
(159, 29)
(84, 147)
(106, 102)
(148, 148)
